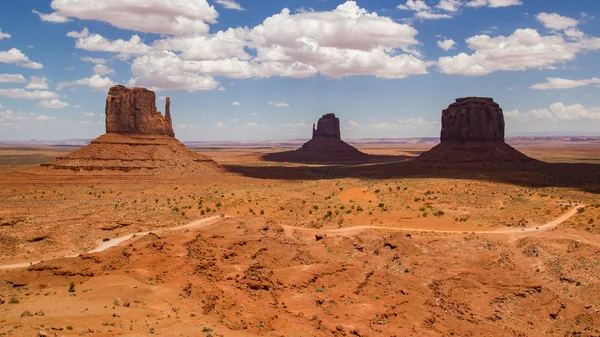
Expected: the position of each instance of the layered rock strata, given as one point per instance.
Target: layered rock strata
(473, 133)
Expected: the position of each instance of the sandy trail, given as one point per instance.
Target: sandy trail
(351, 231)
(348, 231)
(196, 224)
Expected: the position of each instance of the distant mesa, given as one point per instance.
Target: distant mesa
(326, 146)
(137, 138)
(473, 133)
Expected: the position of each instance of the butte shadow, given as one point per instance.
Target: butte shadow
(327, 147)
(138, 138)
(472, 148)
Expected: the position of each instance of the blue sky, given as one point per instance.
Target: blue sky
(265, 70)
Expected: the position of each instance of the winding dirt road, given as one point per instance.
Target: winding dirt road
(348, 231)
(196, 224)
(351, 231)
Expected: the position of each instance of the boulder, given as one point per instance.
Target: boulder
(133, 111)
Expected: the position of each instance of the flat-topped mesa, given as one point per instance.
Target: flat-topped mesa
(473, 119)
(328, 126)
(133, 111)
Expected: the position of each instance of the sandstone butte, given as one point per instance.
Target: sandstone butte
(326, 145)
(473, 134)
(138, 138)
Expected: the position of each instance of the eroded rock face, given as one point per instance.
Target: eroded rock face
(133, 111)
(473, 119)
(328, 126)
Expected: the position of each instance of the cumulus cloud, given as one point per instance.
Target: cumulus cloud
(279, 104)
(414, 5)
(11, 118)
(53, 104)
(494, 3)
(562, 83)
(236, 103)
(96, 60)
(446, 44)
(15, 56)
(556, 21)
(230, 4)
(558, 112)
(37, 83)
(428, 15)
(95, 42)
(102, 70)
(523, 49)
(150, 16)
(201, 47)
(88, 114)
(52, 17)
(4, 35)
(27, 94)
(220, 125)
(449, 5)
(95, 82)
(12, 78)
(164, 71)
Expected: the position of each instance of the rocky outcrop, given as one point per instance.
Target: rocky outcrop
(133, 111)
(326, 146)
(138, 138)
(473, 134)
(328, 126)
(473, 119)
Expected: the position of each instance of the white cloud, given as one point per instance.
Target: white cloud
(230, 4)
(414, 5)
(52, 17)
(558, 112)
(37, 83)
(494, 3)
(252, 125)
(432, 16)
(254, 114)
(95, 82)
(523, 49)
(53, 104)
(446, 44)
(556, 21)
(164, 71)
(88, 114)
(4, 35)
(449, 5)
(352, 124)
(279, 104)
(15, 56)
(235, 120)
(222, 89)
(96, 42)
(201, 47)
(27, 94)
(12, 78)
(102, 70)
(561, 83)
(236, 103)
(97, 60)
(220, 125)
(400, 124)
(151, 16)
(11, 118)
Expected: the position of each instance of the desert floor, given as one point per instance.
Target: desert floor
(303, 250)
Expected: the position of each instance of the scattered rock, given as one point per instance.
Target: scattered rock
(38, 238)
(26, 313)
(42, 334)
(40, 313)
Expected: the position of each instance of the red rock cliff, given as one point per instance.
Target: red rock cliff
(473, 119)
(328, 126)
(133, 111)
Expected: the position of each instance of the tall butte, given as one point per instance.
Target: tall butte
(138, 138)
(473, 134)
(326, 145)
